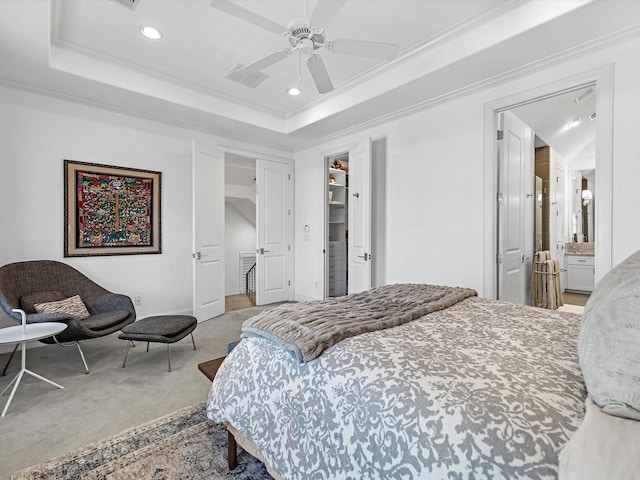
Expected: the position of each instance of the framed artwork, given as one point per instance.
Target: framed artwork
(111, 210)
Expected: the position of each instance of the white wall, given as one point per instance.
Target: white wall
(435, 198)
(38, 132)
(239, 236)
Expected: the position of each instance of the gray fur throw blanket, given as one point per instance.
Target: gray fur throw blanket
(308, 328)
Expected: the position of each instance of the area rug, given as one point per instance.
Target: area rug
(182, 445)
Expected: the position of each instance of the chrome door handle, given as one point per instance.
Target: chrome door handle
(197, 255)
(366, 256)
(263, 251)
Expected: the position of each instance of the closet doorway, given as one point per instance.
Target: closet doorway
(348, 258)
(337, 226)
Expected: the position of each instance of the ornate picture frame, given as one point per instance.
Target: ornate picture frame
(111, 210)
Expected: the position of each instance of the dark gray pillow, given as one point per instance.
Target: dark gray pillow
(609, 341)
(28, 301)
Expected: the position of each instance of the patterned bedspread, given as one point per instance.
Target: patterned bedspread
(480, 390)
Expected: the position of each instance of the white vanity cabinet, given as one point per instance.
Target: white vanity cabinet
(580, 273)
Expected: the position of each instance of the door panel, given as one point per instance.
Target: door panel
(272, 230)
(558, 212)
(208, 231)
(514, 212)
(360, 217)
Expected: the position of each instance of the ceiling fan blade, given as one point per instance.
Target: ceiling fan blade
(325, 12)
(319, 74)
(248, 16)
(258, 65)
(363, 48)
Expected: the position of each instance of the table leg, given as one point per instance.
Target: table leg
(18, 378)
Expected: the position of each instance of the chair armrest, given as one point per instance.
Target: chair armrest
(109, 303)
(71, 322)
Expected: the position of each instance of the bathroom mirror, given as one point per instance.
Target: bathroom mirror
(582, 195)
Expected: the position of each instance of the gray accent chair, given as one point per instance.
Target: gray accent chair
(23, 284)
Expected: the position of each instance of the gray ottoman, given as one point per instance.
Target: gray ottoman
(161, 329)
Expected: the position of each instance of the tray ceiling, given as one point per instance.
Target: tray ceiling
(92, 51)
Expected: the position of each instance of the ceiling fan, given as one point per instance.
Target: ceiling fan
(306, 35)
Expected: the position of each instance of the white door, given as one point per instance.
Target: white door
(558, 211)
(515, 209)
(208, 231)
(273, 230)
(359, 241)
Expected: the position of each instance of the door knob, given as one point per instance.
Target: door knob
(365, 256)
(263, 251)
(197, 255)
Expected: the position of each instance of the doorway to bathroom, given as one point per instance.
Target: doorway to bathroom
(599, 79)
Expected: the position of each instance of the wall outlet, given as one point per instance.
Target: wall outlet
(137, 300)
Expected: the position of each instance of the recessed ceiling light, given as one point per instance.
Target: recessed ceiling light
(583, 95)
(150, 32)
(294, 91)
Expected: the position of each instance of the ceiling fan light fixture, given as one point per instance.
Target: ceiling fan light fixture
(151, 32)
(306, 47)
(294, 91)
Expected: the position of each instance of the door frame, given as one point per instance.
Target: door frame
(274, 158)
(324, 255)
(603, 79)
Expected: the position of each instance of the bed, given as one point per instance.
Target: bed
(473, 389)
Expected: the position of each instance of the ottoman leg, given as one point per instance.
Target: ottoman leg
(169, 355)
(125, 354)
(193, 341)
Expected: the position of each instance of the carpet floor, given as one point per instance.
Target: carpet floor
(44, 422)
(181, 445)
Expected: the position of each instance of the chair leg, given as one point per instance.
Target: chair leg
(77, 343)
(86, 368)
(193, 341)
(169, 355)
(10, 358)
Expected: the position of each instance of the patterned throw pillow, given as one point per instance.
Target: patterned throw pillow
(28, 301)
(70, 306)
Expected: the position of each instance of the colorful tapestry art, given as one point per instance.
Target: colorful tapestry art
(113, 210)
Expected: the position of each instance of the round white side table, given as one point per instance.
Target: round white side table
(22, 334)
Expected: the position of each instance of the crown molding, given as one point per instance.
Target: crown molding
(547, 62)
